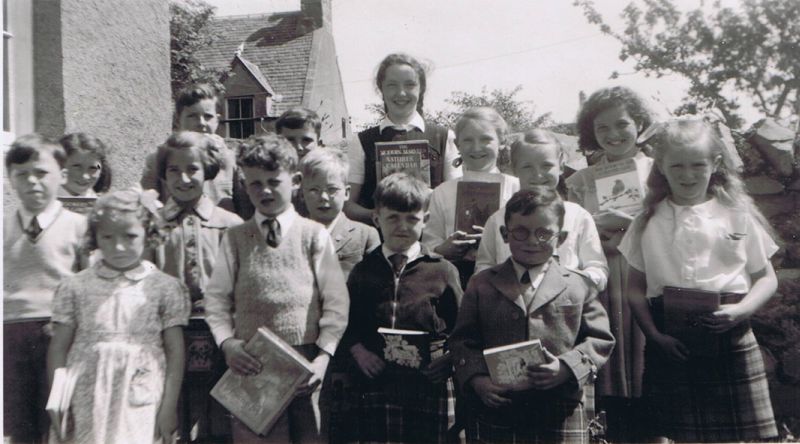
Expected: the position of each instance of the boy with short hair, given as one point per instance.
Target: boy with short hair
(325, 190)
(42, 242)
(531, 296)
(401, 285)
(278, 270)
(302, 128)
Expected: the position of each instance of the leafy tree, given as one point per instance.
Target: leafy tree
(754, 49)
(190, 31)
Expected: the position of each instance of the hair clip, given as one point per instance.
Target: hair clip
(457, 162)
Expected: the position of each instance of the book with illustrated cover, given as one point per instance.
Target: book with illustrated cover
(619, 185)
(58, 403)
(508, 363)
(411, 156)
(80, 205)
(259, 400)
(406, 349)
(682, 309)
(475, 202)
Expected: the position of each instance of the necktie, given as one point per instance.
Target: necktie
(33, 229)
(525, 279)
(398, 262)
(273, 232)
(394, 134)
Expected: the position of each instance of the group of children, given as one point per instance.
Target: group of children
(281, 233)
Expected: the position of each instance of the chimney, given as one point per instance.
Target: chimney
(319, 11)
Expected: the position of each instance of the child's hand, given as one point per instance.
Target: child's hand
(490, 393)
(439, 369)
(548, 375)
(319, 366)
(457, 244)
(369, 363)
(238, 359)
(724, 319)
(672, 347)
(166, 425)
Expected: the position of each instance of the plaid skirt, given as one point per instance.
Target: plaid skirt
(723, 398)
(404, 409)
(534, 419)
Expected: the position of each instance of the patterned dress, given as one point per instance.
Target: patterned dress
(119, 318)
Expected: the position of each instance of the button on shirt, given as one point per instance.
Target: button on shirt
(707, 246)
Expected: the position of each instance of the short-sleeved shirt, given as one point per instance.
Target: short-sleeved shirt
(708, 246)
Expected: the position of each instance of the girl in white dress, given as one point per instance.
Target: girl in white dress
(120, 322)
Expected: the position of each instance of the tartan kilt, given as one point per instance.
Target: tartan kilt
(530, 419)
(397, 408)
(720, 398)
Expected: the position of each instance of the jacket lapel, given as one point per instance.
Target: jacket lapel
(341, 233)
(553, 284)
(505, 281)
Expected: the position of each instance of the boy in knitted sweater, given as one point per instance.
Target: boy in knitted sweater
(278, 270)
(41, 245)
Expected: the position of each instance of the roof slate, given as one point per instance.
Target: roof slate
(279, 44)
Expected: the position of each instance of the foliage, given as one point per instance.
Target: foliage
(720, 50)
(190, 32)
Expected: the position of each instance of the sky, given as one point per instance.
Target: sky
(546, 46)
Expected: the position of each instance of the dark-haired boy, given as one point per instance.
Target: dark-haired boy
(531, 296)
(302, 128)
(41, 245)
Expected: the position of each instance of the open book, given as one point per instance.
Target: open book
(411, 156)
(508, 363)
(58, 403)
(619, 185)
(259, 400)
(682, 309)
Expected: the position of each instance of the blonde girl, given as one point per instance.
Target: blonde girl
(480, 135)
(120, 322)
(700, 230)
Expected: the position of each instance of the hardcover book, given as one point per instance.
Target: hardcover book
(411, 156)
(619, 185)
(508, 363)
(259, 400)
(58, 403)
(475, 202)
(80, 205)
(406, 349)
(682, 309)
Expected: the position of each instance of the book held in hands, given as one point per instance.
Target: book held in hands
(475, 202)
(619, 185)
(410, 156)
(508, 364)
(58, 403)
(259, 400)
(683, 308)
(406, 349)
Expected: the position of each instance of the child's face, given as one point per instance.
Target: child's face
(479, 145)
(400, 229)
(616, 132)
(325, 195)
(302, 139)
(688, 171)
(121, 240)
(270, 191)
(184, 175)
(36, 181)
(83, 170)
(523, 234)
(537, 165)
(201, 117)
(400, 90)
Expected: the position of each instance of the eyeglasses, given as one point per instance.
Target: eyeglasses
(542, 235)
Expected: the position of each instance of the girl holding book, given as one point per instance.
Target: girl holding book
(120, 323)
(88, 172)
(401, 81)
(609, 123)
(480, 135)
(701, 231)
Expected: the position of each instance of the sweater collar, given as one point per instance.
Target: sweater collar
(136, 274)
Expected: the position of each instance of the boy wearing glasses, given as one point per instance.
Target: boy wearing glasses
(531, 296)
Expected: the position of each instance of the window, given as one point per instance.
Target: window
(240, 118)
(17, 113)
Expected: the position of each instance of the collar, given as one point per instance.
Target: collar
(604, 160)
(535, 273)
(670, 210)
(336, 221)
(285, 220)
(416, 122)
(64, 192)
(136, 274)
(413, 252)
(203, 208)
(493, 175)
(45, 217)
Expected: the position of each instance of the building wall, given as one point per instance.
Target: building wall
(324, 91)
